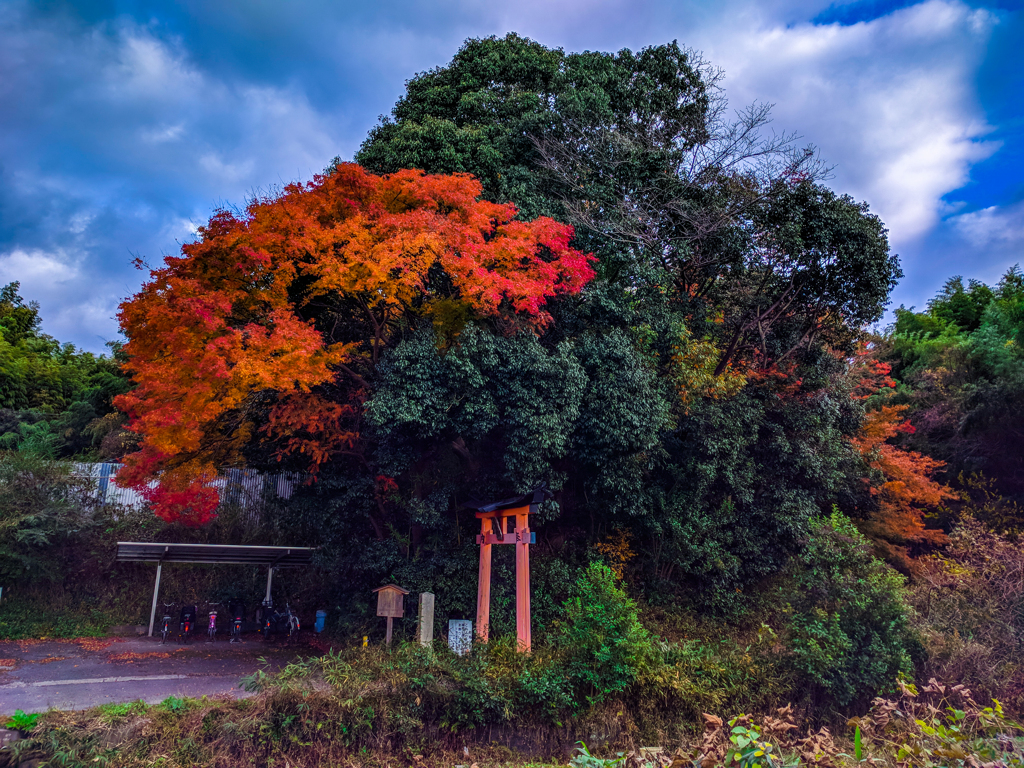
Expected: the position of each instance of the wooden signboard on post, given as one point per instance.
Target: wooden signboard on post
(495, 520)
(391, 603)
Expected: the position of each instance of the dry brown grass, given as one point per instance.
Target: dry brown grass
(970, 613)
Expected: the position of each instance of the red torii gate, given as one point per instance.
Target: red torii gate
(512, 512)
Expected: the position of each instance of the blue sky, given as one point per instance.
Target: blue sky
(123, 125)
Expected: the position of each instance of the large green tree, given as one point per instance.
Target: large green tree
(381, 329)
(695, 393)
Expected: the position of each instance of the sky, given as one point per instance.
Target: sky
(125, 124)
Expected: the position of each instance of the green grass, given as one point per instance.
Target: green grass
(113, 712)
(21, 620)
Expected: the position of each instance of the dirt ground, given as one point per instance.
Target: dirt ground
(36, 675)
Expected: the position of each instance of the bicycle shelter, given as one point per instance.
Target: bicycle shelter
(210, 554)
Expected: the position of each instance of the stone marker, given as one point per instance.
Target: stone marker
(426, 618)
(8, 736)
(460, 635)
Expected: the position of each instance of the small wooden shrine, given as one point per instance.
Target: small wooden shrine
(391, 603)
(506, 522)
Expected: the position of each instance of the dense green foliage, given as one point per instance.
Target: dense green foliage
(850, 631)
(54, 400)
(694, 394)
(606, 648)
(483, 113)
(959, 366)
(42, 508)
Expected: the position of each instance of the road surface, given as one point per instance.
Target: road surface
(38, 675)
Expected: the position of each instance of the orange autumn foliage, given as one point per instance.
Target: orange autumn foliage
(267, 326)
(907, 491)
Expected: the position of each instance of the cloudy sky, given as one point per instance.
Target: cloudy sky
(124, 124)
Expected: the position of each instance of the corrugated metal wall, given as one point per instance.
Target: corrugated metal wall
(246, 489)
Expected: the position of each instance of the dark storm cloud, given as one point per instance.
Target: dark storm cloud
(124, 124)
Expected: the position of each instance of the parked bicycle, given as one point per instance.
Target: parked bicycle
(165, 625)
(267, 618)
(293, 622)
(279, 622)
(237, 614)
(211, 629)
(187, 623)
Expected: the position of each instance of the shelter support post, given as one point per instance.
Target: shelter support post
(270, 579)
(156, 592)
(483, 590)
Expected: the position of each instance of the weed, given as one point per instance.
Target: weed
(583, 759)
(21, 721)
(174, 704)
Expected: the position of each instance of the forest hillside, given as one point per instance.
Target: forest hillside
(585, 273)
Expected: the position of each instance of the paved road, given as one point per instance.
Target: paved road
(36, 676)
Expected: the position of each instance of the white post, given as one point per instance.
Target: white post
(270, 577)
(156, 591)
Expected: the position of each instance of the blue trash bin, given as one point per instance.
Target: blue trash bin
(321, 617)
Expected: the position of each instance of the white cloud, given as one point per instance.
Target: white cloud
(39, 271)
(890, 101)
(73, 304)
(994, 226)
(122, 144)
(163, 133)
(222, 135)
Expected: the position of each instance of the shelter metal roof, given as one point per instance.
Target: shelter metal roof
(233, 554)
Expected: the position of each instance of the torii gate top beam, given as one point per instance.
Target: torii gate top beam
(490, 509)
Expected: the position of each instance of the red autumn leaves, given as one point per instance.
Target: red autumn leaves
(267, 326)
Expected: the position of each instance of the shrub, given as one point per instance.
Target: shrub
(849, 630)
(42, 506)
(22, 721)
(604, 648)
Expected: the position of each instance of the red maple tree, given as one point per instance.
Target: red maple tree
(268, 326)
